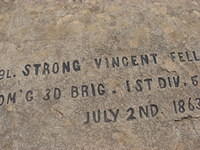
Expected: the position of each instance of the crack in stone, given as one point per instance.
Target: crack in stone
(59, 112)
(189, 117)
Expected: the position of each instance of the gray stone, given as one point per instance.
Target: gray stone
(131, 67)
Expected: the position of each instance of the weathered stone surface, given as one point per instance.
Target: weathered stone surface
(149, 101)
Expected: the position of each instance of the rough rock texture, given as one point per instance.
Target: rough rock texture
(134, 63)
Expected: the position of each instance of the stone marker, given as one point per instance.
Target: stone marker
(100, 75)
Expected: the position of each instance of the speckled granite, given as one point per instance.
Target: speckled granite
(99, 74)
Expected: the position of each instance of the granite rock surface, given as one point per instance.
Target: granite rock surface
(99, 75)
